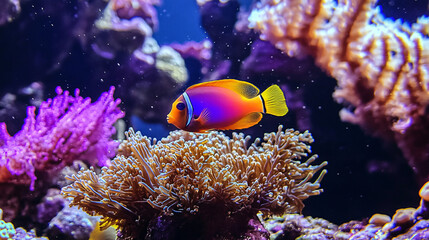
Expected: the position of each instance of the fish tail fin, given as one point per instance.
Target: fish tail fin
(274, 101)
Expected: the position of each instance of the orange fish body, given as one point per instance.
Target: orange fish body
(225, 105)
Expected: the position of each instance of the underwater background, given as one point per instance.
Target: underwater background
(355, 75)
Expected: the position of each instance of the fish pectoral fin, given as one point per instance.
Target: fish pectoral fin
(248, 121)
(204, 117)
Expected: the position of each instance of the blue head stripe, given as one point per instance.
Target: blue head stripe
(190, 108)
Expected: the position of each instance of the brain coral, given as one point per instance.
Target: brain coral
(190, 174)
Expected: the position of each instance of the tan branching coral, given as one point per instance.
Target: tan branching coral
(188, 172)
(382, 66)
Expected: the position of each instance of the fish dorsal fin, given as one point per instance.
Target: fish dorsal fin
(243, 88)
(247, 121)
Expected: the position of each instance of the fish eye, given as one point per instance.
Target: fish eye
(180, 106)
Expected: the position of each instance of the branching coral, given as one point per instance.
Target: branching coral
(65, 129)
(188, 174)
(382, 67)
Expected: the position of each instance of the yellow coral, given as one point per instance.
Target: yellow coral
(185, 171)
(7, 230)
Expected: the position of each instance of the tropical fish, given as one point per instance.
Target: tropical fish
(225, 105)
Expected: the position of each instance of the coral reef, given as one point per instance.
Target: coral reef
(294, 226)
(188, 181)
(237, 52)
(360, 159)
(197, 57)
(71, 223)
(137, 64)
(8, 231)
(408, 223)
(154, 70)
(123, 27)
(65, 129)
(381, 66)
(91, 50)
(169, 63)
(127, 9)
(51, 204)
(191, 186)
(200, 51)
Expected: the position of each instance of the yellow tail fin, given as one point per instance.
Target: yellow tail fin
(274, 101)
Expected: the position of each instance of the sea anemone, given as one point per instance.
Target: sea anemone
(188, 181)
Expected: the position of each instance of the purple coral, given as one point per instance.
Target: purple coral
(66, 128)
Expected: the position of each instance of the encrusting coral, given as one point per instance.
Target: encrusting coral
(381, 66)
(151, 185)
(405, 224)
(65, 129)
(8, 231)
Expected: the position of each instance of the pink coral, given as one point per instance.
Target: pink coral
(66, 128)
